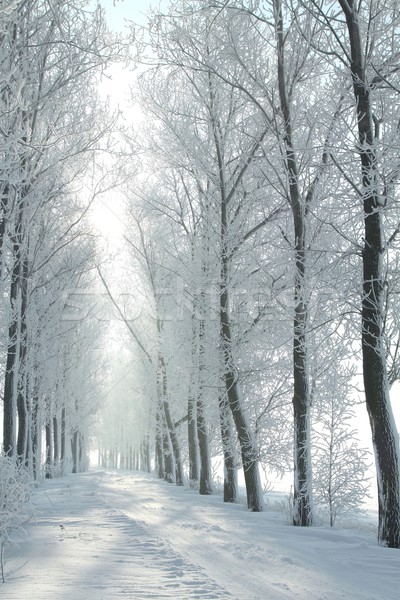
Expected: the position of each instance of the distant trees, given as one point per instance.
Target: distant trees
(218, 184)
(263, 223)
(51, 126)
(263, 116)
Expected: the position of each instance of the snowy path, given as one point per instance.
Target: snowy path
(98, 553)
(131, 536)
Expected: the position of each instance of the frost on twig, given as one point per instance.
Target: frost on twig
(15, 491)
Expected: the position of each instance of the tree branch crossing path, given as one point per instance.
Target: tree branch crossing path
(107, 535)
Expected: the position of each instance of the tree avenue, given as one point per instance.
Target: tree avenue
(50, 56)
(250, 307)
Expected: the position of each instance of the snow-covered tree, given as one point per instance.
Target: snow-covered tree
(51, 55)
(15, 491)
(340, 468)
(362, 38)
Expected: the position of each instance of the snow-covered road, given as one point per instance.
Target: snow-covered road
(106, 535)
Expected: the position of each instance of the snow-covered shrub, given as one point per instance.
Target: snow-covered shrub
(341, 482)
(340, 467)
(15, 491)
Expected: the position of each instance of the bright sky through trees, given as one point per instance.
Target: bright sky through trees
(197, 266)
(108, 215)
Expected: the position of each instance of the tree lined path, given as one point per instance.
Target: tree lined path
(200, 281)
(80, 547)
(130, 535)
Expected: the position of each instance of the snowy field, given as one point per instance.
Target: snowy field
(108, 535)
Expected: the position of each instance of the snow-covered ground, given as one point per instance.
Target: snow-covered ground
(108, 535)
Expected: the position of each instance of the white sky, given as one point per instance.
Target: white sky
(120, 11)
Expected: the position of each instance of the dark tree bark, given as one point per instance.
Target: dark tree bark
(194, 470)
(383, 428)
(4, 201)
(49, 450)
(246, 441)
(245, 437)
(229, 450)
(56, 442)
(75, 452)
(22, 412)
(81, 445)
(175, 444)
(163, 390)
(302, 494)
(11, 396)
(144, 454)
(205, 486)
(35, 434)
(22, 437)
(168, 457)
(147, 451)
(10, 376)
(63, 436)
(193, 442)
(21, 374)
(160, 468)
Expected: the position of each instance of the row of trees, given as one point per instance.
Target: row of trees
(262, 230)
(52, 129)
(267, 232)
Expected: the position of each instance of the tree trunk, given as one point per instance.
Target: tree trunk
(22, 437)
(160, 469)
(63, 439)
(22, 405)
(192, 439)
(229, 450)
(49, 450)
(56, 441)
(247, 445)
(75, 452)
(11, 371)
(21, 374)
(29, 393)
(4, 201)
(168, 457)
(82, 464)
(384, 434)
(162, 384)
(193, 442)
(205, 487)
(302, 493)
(35, 428)
(175, 444)
(246, 440)
(147, 450)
